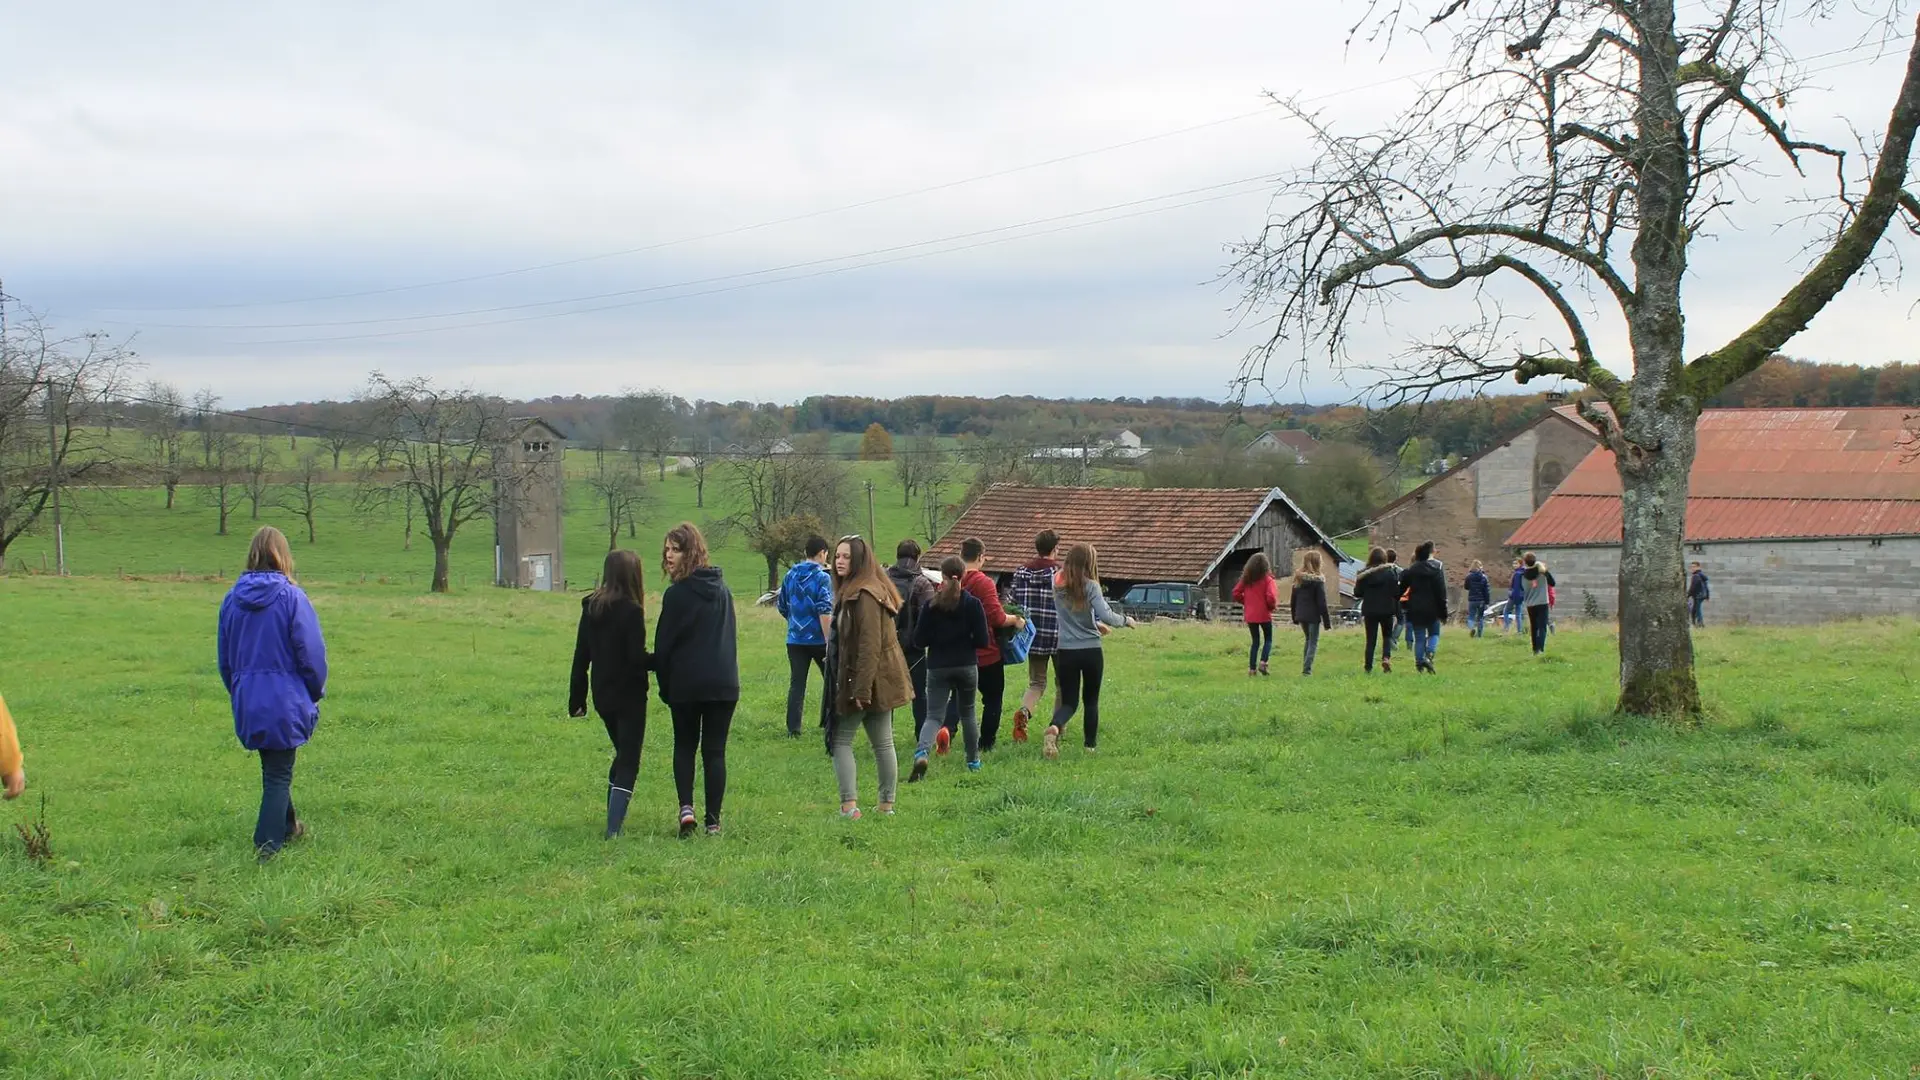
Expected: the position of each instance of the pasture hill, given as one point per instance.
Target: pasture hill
(1480, 874)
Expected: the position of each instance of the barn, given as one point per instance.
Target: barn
(1191, 535)
(1797, 516)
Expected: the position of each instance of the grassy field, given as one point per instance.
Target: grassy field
(1477, 875)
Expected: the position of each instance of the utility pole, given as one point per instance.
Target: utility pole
(53, 481)
(872, 533)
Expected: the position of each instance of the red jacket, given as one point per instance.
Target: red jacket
(1258, 602)
(982, 589)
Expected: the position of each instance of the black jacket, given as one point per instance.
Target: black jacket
(1309, 602)
(952, 638)
(613, 645)
(1378, 588)
(695, 650)
(915, 590)
(1426, 587)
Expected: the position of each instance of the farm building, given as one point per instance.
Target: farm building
(1797, 515)
(1469, 510)
(1195, 536)
(1284, 442)
(528, 548)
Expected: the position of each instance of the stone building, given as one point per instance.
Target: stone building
(528, 534)
(1797, 515)
(1290, 442)
(1194, 536)
(1468, 511)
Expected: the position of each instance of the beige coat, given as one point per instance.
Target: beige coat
(871, 666)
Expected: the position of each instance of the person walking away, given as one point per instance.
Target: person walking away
(1699, 591)
(1258, 595)
(1080, 662)
(1308, 603)
(610, 658)
(915, 590)
(1516, 596)
(805, 600)
(1425, 587)
(870, 677)
(1033, 591)
(273, 662)
(13, 766)
(696, 655)
(993, 672)
(1400, 624)
(1538, 598)
(950, 631)
(1479, 595)
(1378, 588)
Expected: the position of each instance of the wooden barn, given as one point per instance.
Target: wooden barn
(1195, 536)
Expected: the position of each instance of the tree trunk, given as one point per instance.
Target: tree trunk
(223, 516)
(309, 517)
(1656, 636)
(170, 489)
(440, 547)
(336, 459)
(773, 573)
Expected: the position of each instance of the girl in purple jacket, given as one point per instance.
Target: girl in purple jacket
(274, 666)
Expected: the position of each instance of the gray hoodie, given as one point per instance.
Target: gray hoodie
(1536, 580)
(1077, 623)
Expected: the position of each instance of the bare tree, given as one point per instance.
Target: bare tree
(771, 490)
(220, 480)
(702, 460)
(305, 491)
(650, 424)
(442, 445)
(206, 410)
(47, 386)
(933, 484)
(1568, 160)
(162, 432)
(619, 488)
(257, 463)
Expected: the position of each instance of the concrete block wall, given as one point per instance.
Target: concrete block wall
(1768, 582)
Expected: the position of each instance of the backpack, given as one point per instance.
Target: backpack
(906, 621)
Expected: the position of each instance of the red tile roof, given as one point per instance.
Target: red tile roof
(1172, 534)
(1760, 474)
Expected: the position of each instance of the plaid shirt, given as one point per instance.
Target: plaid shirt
(1033, 590)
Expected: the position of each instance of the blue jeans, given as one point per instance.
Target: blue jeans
(1259, 653)
(1477, 619)
(1699, 611)
(1425, 636)
(270, 832)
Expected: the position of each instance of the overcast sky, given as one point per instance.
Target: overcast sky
(184, 170)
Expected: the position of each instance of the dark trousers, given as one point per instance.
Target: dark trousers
(917, 668)
(993, 687)
(1256, 652)
(1379, 627)
(702, 726)
(276, 800)
(798, 658)
(1537, 623)
(627, 730)
(1079, 673)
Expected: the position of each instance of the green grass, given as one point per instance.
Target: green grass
(1478, 875)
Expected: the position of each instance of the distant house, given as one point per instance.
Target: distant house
(1797, 515)
(1124, 446)
(1469, 510)
(529, 545)
(1285, 441)
(1189, 535)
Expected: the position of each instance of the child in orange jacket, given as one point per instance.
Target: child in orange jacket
(13, 772)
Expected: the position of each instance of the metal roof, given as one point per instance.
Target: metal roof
(1760, 474)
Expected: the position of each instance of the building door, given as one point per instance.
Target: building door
(540, 571)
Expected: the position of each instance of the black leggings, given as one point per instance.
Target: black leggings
(1380, 626)
(993, 688)
(1073, 667)
(628, 731)
(1537, 622)
(702, 726)
(799, 657)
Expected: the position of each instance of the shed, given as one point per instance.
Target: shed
(1797, 515)
(529, 546)
(1197, 536)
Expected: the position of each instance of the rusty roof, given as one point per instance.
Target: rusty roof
(1760, 474)
(1142, 534)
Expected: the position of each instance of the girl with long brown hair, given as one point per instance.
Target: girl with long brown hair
(1258, 595)
(610, 658)
(1081, 663)
(1309, 606)
(696, 656)
(273, 663)
(867, 671)
(951, 629)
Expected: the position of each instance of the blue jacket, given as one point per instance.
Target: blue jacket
(805, 596)
(1479, 589)
(1518, 590)
(272, 661)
